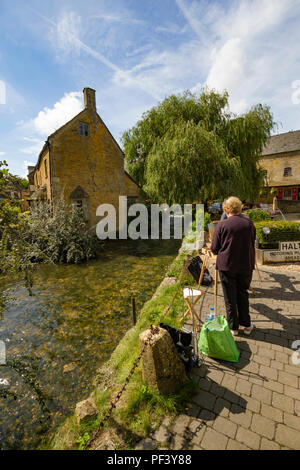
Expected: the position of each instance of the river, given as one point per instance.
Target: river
(57, 338)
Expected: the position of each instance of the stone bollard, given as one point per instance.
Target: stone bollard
(85, 410)
(163, 370)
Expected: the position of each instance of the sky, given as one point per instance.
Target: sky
(134, 53)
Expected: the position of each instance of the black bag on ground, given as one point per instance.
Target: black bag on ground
(183, 341)
(195, 267)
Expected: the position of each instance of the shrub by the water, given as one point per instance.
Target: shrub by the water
(46, 236)
(256, 215)
(61, 236)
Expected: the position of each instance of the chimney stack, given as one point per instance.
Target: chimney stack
(89, 98)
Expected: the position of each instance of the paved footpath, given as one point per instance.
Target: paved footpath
(255, 403)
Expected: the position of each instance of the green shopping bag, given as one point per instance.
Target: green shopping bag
(217, 341)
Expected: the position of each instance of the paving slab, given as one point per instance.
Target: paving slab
(254, 404)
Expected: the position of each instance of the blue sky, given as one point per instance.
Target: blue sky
(134, 53)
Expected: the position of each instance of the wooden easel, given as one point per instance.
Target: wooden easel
(251, 289)
(196, 294)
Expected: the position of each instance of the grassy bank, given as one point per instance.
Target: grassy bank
(139, 410)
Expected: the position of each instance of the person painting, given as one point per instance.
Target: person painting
(233, 242)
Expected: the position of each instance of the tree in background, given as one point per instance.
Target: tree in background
(190, 148)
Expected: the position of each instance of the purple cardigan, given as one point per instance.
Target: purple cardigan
(233, 242)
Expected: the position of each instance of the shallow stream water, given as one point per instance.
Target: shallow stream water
(57, 338)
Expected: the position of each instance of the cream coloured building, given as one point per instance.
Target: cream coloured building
(280, 161)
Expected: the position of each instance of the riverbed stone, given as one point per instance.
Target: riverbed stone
(162, 369)
(69, 367)
(85, 410)
(146, 444)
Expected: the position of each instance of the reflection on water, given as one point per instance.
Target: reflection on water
(57, 338)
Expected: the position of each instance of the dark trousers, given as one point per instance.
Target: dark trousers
(235, 288)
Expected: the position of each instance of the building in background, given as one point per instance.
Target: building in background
(280, 162)
(82, 163)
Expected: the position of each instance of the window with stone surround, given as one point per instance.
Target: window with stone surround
(287, 171)
(83, 129)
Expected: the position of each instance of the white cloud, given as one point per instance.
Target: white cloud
(197, 89)
(228, 71)
(246, 18)
(14, 101)
(33, 149)
(1, 154)
(65, 34)
(167, 71)
(170, 28)
(65, 31)
(118, 18)
(35, 131)
(193, 20)
(227, 68)
(50, 119)
(246, 43)
(138, 50)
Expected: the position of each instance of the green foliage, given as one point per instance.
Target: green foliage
(280, 231)
(244, 137)
(175, 269)
(186, 163)
(256, 215)
(44, 237)
(274, 191)
(10, 182)
(145, 406)
(59, 236)
(207, 220)
(24, 183)
(191, 148)
(39, 237)
(11, 224)
(82, 440)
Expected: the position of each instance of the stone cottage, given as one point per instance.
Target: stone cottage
(83, 163)
(280, 161)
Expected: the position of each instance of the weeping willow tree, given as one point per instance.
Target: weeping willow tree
(186, 164)
(191, 148)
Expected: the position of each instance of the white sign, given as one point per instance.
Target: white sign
(290, 246)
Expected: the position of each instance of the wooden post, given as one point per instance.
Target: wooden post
(133, 311)
(216, 291)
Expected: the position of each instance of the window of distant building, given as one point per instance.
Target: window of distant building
(84, 129)
(287, 171)
(287, 194)
(46, 168)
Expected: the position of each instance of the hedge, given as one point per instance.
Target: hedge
(280, 231)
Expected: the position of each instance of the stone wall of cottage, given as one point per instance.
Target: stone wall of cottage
(94, 162)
